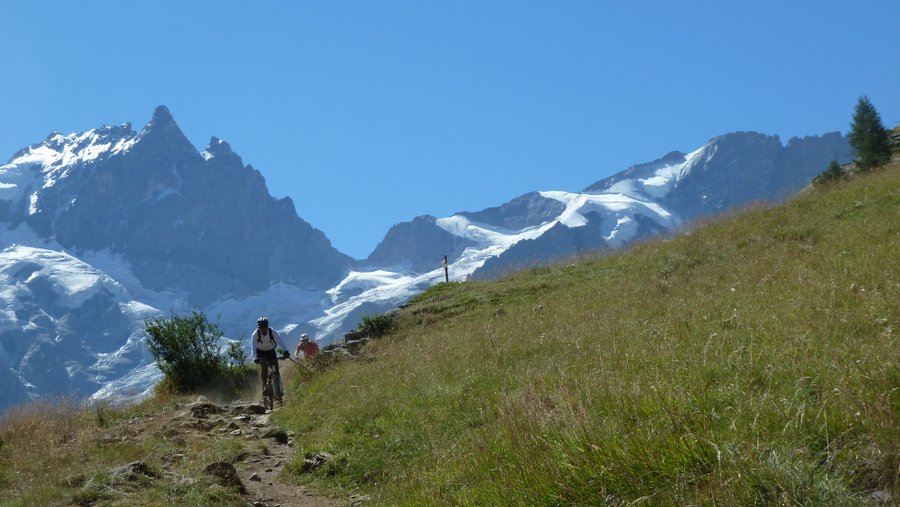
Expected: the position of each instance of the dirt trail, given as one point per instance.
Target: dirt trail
(268, 451)
(260, 475)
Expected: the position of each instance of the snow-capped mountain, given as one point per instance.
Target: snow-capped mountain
(728, 172)
(200, 222)
(152, 225)
(104, 229)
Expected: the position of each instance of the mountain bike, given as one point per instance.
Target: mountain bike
(273, 388)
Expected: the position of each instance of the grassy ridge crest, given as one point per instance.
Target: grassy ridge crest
(749, 361)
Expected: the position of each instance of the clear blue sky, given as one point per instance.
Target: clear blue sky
(370, 113)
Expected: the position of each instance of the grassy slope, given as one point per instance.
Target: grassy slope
(57, 452)
(752, 361)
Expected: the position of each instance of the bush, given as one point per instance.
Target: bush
(832, 173)
(377, 326)
(187, 351)
(236, 354)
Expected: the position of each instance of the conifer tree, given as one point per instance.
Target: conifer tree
(868, 137)
(834, 172)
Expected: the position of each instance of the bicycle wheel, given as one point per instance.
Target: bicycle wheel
(277, 390)
(268, 399)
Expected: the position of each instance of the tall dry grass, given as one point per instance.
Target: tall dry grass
(37, 439)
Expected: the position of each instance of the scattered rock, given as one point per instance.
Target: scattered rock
(353, 346)
(314, 461)
(256, 478)
(199, 425)
(233, 426)
(167, 432)
(359, 499)
(235, 433)
(132, 471)
(181, 480)
(333, 354)
(356, 334)
(202, 410)
(226, 474)
(500, 312)
(248, 409)
(279, 436)
(882, 497)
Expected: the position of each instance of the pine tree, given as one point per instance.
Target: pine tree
(834, 172)
(868, 137)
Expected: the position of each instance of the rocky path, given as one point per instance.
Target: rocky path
(258, 472)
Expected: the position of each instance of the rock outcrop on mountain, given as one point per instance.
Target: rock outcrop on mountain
(529, 210)
(417, 246)
(730, 171)
(203, 222)
(104, 229)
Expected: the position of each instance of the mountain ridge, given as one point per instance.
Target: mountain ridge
(181, 229)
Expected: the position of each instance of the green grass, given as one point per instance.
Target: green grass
(751, 361)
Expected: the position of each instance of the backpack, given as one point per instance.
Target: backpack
(271, 336)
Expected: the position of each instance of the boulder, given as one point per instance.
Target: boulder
(132, 471)
(225, 473)
(314, 461)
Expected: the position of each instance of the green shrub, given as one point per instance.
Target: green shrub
(832, 173)
(187, 351)
(377, 326)
(236, 354)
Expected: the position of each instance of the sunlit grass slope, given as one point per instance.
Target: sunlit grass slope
(752, 361)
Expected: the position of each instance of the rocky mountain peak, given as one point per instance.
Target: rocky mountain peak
(162, 136)
(218, 146)
(161, 117)
(220, 150)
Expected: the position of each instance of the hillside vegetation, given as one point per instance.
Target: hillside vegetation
(750, 361)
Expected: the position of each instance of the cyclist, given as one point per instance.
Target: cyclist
(307, 348)
(263, 342)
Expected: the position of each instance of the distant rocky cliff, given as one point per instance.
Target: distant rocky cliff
(200, 222)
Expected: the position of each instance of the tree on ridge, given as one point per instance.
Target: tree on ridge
(868, 137)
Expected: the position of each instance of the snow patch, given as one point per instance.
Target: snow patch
(73, 281)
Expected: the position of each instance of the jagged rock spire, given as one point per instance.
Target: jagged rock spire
(162, 134)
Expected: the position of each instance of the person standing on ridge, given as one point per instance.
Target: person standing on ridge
(264, 342)
(309, 348)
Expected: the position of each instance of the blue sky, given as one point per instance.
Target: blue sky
(370, 113)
